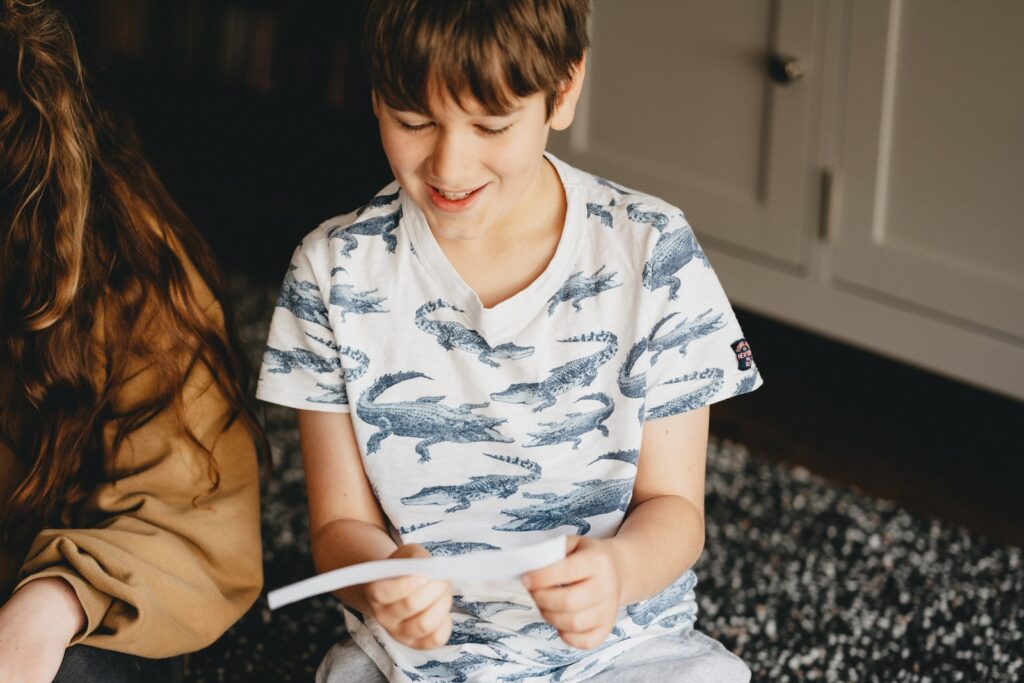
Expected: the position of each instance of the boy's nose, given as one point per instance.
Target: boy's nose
(450, 162)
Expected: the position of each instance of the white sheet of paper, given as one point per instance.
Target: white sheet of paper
(491, 565)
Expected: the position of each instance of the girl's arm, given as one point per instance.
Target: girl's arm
(661, 537)
(347, 526)
(36, 625)
(159, 564)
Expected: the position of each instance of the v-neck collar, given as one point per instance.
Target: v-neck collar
(508, 316)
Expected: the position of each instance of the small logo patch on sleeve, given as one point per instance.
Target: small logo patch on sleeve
(744, 357)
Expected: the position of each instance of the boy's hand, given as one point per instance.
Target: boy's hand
(580, 594)
(416, 611)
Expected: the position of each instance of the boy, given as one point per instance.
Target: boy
(498, 349)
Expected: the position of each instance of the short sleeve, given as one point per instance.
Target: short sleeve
(302, 363)
(696, 352)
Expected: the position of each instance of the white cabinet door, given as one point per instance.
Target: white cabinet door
(932, 155)
(678, 103)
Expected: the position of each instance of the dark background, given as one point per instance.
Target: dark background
(256, 115)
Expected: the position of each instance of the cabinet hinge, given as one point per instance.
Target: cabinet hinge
(825, 214)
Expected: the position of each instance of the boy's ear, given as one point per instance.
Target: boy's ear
(375, 103)
(565, 106)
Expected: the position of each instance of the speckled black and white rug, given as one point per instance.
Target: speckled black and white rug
(805, 581)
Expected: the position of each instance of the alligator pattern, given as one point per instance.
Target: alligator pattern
(378, 202)
(680, 336)
(746, 385)
(604, 183)
(483, 429)
(484, 609)
(448, 547)
(351, 302)
(634, 385)
(539, 628)
(412, 528)
(567, 656)
(302, 299)
(631, 456)
(336, 393)
(280, 361)
(461, 496)
(712, 378)
(643, 613)
(475, 631)
(673, 250)
(589, 499)
(455, 671)
(579, 287)
(575, 425)
(375, 226)
(453, 335)
(579, 372)
(603, 214)
(426, 418)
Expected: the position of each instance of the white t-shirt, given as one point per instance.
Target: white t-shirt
(483, 428)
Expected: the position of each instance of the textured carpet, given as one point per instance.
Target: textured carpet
(805, 581)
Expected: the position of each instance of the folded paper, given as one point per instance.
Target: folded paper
(490, 565)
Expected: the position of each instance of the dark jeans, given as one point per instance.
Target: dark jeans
(83, 664)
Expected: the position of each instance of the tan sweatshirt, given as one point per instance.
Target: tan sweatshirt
(160, 566)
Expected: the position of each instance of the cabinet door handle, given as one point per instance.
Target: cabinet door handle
(785, 69)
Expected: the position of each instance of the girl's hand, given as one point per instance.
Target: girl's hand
(580, 594)
(416, 611)
(36, 626)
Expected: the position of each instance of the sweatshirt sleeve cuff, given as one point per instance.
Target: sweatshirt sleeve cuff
(95, 603)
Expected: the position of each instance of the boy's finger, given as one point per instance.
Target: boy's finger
(389, 591)
(415, 602)
(420, 626)
(582, 621)
(437, 639)
(573, 568)
(586, 640)
(571, 598)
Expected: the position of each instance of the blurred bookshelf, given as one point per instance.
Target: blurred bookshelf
(255, 113)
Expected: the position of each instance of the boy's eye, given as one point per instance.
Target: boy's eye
(413, 127)
(494, 131)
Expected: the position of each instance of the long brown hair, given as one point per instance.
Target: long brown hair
(91, 246)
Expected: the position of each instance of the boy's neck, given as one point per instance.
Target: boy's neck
(504, 261)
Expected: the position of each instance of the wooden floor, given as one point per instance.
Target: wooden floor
(933, 445)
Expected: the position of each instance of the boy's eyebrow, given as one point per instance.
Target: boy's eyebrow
(398, 110)
(509, 112)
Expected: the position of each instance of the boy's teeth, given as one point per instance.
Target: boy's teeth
(454, 196)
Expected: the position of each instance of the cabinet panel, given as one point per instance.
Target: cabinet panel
(679, 104)
(933, 158)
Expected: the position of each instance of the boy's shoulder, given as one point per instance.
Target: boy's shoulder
(380, 216)
(614, 204)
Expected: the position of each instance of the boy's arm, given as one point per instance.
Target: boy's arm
(662, 536)
(663, 533)
(347, 526)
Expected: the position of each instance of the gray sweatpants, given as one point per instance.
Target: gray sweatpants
(690, 658)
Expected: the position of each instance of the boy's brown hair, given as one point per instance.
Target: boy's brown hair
(492, 50)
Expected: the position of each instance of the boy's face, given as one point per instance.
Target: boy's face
(468, 171)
